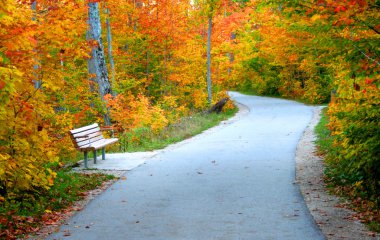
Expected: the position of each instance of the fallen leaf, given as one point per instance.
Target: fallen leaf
(372, 234)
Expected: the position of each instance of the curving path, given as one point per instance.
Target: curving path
(233, 182)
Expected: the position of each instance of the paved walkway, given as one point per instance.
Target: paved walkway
(235, 181)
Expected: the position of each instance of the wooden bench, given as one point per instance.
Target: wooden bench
(90, 138)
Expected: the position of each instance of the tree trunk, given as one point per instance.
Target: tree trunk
(109, 41)
(231, 55)
(209, 93)
(97, 67)
(147, 66)
(37, 81)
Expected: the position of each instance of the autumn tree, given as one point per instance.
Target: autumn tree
(31, 128)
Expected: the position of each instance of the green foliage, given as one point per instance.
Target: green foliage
(298, 50)
(374, 226)
(355, 126)
(351, 155)
(352, 142)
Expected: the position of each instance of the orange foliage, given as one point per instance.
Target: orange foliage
(131, 112)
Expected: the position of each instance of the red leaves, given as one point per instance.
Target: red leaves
(3, 221)
(340, 9)
(343, 6)
(361, 3)
(11, 53)
(51, 218)
(372, 234)
(368, 81)
(2, 84)
(16, 31)
(16, 226)
(377, 27)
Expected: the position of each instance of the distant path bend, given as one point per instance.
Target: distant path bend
(234, 182)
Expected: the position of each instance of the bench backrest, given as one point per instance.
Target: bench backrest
(85, 136)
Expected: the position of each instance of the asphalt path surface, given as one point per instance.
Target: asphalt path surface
(236, 181)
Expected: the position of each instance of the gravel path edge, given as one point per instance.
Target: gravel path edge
(335, 222)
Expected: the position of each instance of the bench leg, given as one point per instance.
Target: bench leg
(103, 153)
(85, 159)
(95, 156)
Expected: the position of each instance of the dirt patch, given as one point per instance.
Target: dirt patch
(334, 221)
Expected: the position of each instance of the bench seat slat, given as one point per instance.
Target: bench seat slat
(92, 142)
(98, 145)
(89, 137)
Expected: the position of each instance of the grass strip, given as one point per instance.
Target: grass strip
(143, 139)
(324, 139)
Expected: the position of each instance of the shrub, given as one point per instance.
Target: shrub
(355, 127)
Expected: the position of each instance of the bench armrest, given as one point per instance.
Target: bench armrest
(107, 128)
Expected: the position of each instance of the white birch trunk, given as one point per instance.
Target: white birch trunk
(109, 41)
(231, 55)
(37, 82)
(97, 67)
